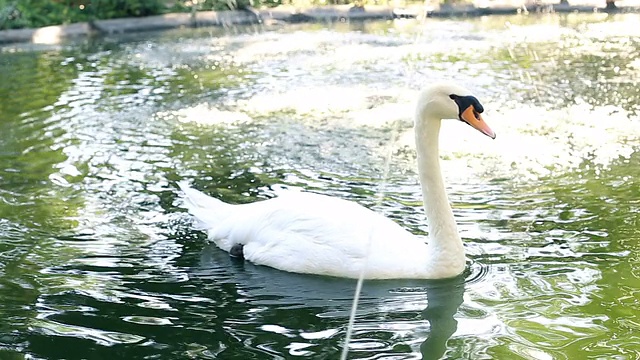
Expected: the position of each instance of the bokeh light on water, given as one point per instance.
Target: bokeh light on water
(99, 260)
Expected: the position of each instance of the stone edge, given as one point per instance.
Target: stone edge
(53, 34)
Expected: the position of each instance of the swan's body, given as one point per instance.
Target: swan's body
(317, 234)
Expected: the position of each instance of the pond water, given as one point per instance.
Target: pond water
(98, 260)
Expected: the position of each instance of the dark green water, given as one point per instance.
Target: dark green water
(99, 261)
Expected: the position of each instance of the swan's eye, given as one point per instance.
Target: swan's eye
(466, 102)
(476, 105)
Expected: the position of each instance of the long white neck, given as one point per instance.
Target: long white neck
(445, 245)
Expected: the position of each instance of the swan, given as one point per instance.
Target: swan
(311, 233)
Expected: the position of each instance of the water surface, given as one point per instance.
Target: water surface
(99, 260)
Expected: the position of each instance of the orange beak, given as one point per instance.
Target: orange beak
(473, 118)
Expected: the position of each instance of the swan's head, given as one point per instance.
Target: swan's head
(450, 101)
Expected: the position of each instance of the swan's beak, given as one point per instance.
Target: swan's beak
(473, 118)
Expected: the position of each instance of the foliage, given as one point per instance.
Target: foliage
(34, 13)
(15, 14)
(108, 9)
(219, 5)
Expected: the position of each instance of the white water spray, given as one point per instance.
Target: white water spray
(378, 202)
(380, 196)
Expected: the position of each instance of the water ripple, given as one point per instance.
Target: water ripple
(98, 258)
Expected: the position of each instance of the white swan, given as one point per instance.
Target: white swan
(317, 234)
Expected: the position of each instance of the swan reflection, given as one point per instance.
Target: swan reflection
(444, 299)
(300, 313)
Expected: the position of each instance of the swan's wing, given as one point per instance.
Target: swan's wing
(309, 233)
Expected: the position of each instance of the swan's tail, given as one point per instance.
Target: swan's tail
(207, 210)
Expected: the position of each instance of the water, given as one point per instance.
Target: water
(98, 259)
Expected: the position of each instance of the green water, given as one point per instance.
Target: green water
(99, 261)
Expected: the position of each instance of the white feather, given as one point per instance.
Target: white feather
(312, 233)
(206, 209)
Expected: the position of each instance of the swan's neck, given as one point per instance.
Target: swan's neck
(445, 245)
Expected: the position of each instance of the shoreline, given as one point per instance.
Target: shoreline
(282, 14)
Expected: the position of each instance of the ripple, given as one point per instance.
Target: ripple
(101, 337)
(147, 320)
(478, 272)
(98, 260)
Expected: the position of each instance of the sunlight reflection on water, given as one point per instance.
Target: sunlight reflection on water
(547, 210)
